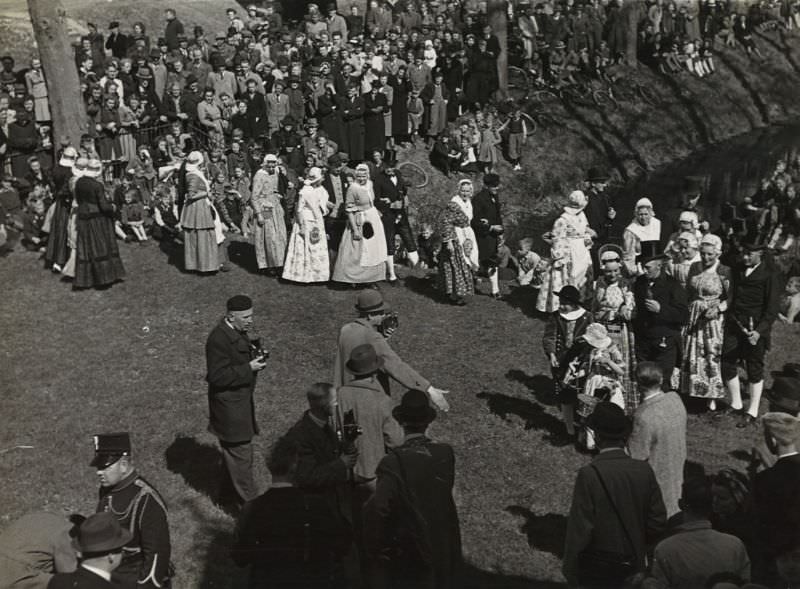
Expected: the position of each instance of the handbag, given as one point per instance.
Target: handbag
(367, 230)
(601, 568)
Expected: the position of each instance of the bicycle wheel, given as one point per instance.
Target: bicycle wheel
(531, 124)
(518, 84)
(603, 99)
(413, 174)
(544, 96)
(647, 94)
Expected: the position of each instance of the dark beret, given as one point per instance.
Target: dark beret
(239, 303)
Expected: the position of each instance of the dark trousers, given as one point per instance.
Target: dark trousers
(238, 460)
(392, 226)
(736, 348)
(334, 228)
(663, 351)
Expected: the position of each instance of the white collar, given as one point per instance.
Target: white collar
(788, 454)
(573, 315)
(99, 572)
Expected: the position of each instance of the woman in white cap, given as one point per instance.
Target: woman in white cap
(269, 236)
(57, 220)
(465, 235)
(688, 221)
(78, 171)
(708, 285)
(307, 256)
(570, 241)
(362, 252)
(97, 261)
(200, 221)
(644, 227)
(458, 259)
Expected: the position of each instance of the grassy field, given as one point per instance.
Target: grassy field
(131, 358)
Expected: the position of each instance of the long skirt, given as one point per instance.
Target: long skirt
(97, 260)
(455, 275)
(127, 145)
(701, 372)
(270, 239)
(200, 251)
(622, 336)
(362, 261)
(307, 256)
(57, 249)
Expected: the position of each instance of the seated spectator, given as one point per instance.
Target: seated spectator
(428, 246)
(131, 216)
(528, 264)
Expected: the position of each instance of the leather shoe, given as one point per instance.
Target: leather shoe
(747, 420)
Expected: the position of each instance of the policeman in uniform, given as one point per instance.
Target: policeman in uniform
(139, 509)
(661, 310)
(752, 309)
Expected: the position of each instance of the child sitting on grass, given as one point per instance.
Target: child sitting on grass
(528, 264)
(790, 305)
(131, 216)
(231, 208)
(428, 246)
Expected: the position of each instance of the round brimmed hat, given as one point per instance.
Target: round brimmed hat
(491, 180)
(609, 421)
(364, 360)
(68, 157)
(314, 176)
(559, 45)
(414, 409)
(576, 201)
(596, 336)
(785, 394)
(371, 301)
(100, 533)
(79, 169)
(94, 169)
(597, 175)
(610, 253)
(195, 158)
(144, 73)
(569, 294)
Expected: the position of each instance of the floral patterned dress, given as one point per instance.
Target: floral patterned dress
(701, 374)
(455, 274)
(571, 262)
(609, 299)
(307, 254)
(269, 235)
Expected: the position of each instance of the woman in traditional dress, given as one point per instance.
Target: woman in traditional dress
(108, 127)
(644, 227)
(459, 256)
(362, 252)
(571, 262)
(612, 306)
(466, 235)
(270, 229)
(307, 257)
(199, 219)
(97, 261)
(57, 218)
(128, 130)
(683, 255)
(707, 286)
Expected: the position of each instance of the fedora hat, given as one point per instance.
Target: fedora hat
(364, 360)
(569, 294)
(414, 408)
(785, 394)
(100, 533)
(596, 336)
(651, 250)
(609, 421)
(370, 301)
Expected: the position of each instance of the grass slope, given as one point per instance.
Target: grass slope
(131, 358)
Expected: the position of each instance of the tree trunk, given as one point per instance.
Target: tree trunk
(633, 11)
(49, 21)
(498, 20)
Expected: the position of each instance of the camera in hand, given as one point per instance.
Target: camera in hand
(257, 349)
(391, 321)
(350, 429)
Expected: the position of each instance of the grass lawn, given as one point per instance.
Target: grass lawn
(131, 358)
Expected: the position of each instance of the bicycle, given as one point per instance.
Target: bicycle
(633, 92)
(414, 175)
(519, 84)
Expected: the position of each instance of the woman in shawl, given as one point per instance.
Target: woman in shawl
(644, 227)
(362, 252)
(270, 228)
(307, 257)
(200, 221)
(571, 240)
(97, 261)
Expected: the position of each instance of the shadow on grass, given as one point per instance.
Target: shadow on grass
(174, 253)
(243, 254)
(533, 414)
(524, 299)
(198, 464)
(425, 286)
(545, 533)
(540, 385)
(474, 578)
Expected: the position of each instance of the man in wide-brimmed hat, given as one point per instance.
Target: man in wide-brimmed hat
(662, 309)
(783, 397)
(419, 474)
(753, 308)
(617, 509)
(375, 324)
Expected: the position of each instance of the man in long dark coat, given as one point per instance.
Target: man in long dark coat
(411, 527)
(488, 226)
(375, 105)
(353, 109)
(233, 364)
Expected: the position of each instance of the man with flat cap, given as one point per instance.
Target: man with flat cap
(101, 541)
(375, 325)
(139, 509)
(233, 361)
(753, 306)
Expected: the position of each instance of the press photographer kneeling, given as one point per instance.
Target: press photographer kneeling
(375, 324)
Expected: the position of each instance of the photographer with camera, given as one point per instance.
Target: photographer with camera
(375, 325)
(233, 362)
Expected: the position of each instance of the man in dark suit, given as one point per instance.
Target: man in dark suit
(662, 309)
(753, 305)
(617, 510)
(335, 183)
(776, 496)
(117, 42)
(488, 226)
(391, 198)
(599, 211)
(100, 540)
(233, 363)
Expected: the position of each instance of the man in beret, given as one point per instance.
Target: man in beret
(753, 306)
(139, 508)
(233, 362)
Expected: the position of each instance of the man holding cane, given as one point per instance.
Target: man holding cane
(752, 308)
